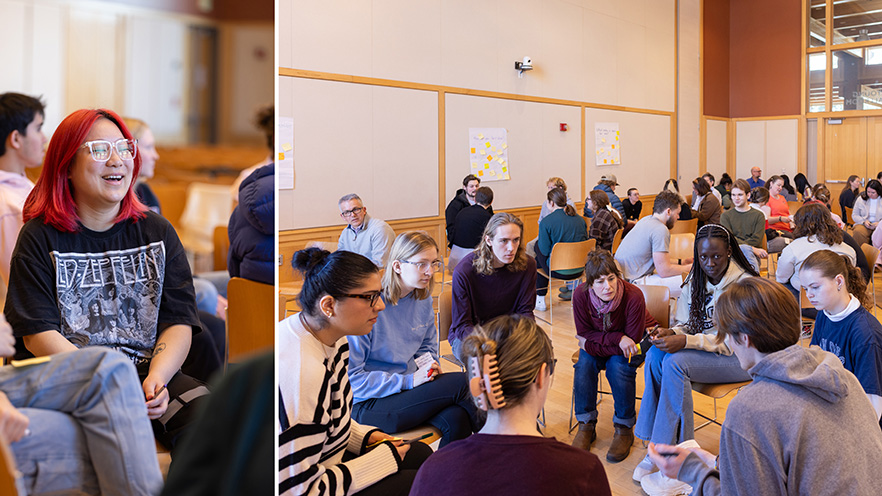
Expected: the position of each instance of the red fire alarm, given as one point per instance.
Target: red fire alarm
(563, 126)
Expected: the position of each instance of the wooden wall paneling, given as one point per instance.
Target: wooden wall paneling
(846, 148)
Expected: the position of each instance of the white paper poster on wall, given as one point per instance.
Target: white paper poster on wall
(607, 144)
(488, 153)
(285, 153)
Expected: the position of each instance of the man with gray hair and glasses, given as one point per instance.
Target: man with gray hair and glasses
(364, 235)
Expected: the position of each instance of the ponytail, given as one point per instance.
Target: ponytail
(831, 264)
(559, 197)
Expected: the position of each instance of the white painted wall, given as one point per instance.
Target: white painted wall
(770, 144)
(716, 148)
(689, 103)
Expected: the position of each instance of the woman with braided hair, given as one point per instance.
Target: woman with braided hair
(688, 352)
(511, 364)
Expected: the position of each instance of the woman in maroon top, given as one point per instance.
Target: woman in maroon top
(509, 455)
(611, 319)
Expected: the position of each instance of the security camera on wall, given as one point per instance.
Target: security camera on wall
(525, 65)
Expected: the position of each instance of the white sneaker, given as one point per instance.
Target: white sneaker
(540, 303)
(644, 468)
(658, 485)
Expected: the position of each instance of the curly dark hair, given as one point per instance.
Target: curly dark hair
(815, 219)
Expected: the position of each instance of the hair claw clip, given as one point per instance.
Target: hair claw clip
(484, 382)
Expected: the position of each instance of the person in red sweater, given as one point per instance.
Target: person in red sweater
(611, 318)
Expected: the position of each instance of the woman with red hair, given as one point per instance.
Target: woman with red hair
(87, 238)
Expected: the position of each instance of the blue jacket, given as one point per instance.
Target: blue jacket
(382, 362)
(252, 227)
(613, 200)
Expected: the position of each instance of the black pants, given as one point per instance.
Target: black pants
(185, 397)
(399, 483)
(444, 403)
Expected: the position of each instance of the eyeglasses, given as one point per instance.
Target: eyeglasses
(354, 211)
(372, 296)
(422, 266)
(101, 150)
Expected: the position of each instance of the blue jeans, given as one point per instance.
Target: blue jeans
(88, 423)
(666, 414)
(750, 256)
(444, 403)
(622, 379)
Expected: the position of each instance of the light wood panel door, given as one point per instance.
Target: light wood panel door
(852, 147)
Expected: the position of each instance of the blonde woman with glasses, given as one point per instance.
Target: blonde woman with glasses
(390, 388)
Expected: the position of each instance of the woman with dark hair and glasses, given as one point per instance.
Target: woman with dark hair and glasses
(688, 352)
(867, 212)
(390, 388)
(322, 451)
(511, 367)
(87, 238)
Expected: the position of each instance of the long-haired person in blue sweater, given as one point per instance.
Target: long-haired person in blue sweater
(391, 391)
(321, 450)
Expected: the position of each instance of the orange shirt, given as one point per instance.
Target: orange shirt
(778, 208)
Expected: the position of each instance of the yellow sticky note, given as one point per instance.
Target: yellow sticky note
(492, 173)
(604, 161)
(617, 138)
(489, 158)
(287, 147)
(598, 151)
(486, 166)
(614, 147)
(281, 156)
(504, 146)
(603, 140)
(480, 136)
(500, 160)
(506, 177)
(487, 144)
(504, 169)
(493, 149)
(617, 133)
(480, 173)
(482, 152)
(473, 150)
(474, 164)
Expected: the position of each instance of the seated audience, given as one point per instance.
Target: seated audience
(821, 195)
(252, 228)
(746, 223)
(787, 190)
(605, 222)
(688, 352)
(849, 194)
(633, 205)
(611, 318)
(607, 184)
(498, 278)
(562, 225)
(643, 254)
(463, 198)
(709, 178)
(77, 424)
(705, 206)
(867, 212)
(775, 240)
(724, 188)
(87, 239)
(802, 186)
(321, 450)
(754, 180)
(469, 226)
(843, 325)
(389, 389)
(364, 234)
(779, 211)
(511, 366)
(553, 182)
(815, 231)
(797, 428)
(685, 211)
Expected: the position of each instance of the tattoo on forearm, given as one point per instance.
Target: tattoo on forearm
(159, 349)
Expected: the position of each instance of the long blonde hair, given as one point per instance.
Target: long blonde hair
(405, 246)
(483, 262)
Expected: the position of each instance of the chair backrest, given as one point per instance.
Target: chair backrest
(250, 323)
(794, 206)
(445, 304)
(617, 239)
(685, 226)
(871, 252)
(846, 216)
(681, 246)
(764, 242)
(208, 206)
(658, 303)
(9, 476)
(570, 255)
(221, 247)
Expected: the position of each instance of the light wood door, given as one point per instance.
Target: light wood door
(850, 148)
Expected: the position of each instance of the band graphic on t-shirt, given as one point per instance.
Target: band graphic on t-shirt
(111, 298)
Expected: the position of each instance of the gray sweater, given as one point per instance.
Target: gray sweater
(804, 426)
